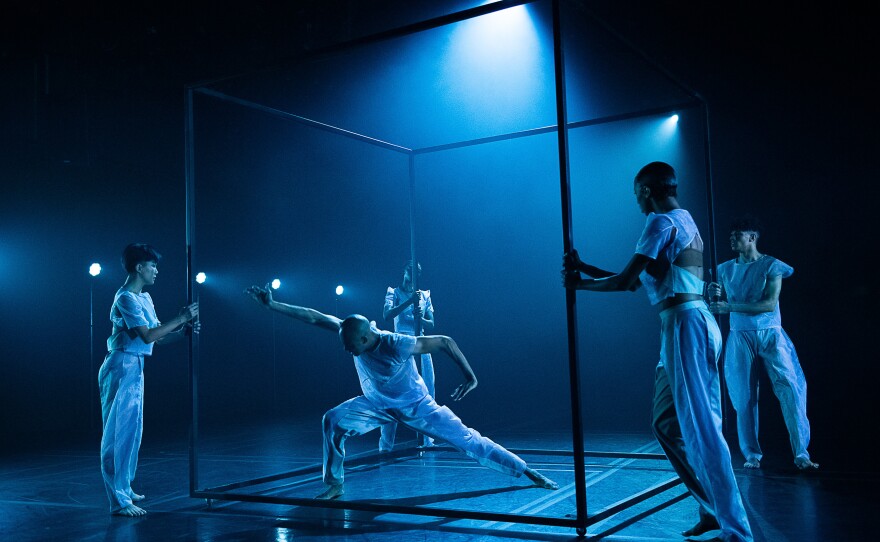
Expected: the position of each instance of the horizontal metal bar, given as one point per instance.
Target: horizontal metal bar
(365, 457)
(636, 114)
(550, 129)
(640, 516)
(587, 453)
(388, 508)
(617, 507)
(489, 139)
(351, 461)
(386, 35)
(302, 120)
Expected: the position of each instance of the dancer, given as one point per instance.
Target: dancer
(403, 306)
(668, 261)
(394, 391)
(748, 289)
(121, 377)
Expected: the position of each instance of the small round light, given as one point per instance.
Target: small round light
(95, 269)
(276, 284)
(339, 290)
(200, 278)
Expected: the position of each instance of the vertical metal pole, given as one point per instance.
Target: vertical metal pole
(713, 251)
(92, 353)
(414, 275)
(577, 429)
(189, 158)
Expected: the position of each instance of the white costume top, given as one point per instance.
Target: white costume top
(745, 282)
(665, 236)
(404, 322)
(131, 310)
(389, 378)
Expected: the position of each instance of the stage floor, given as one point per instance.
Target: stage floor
(58, 494)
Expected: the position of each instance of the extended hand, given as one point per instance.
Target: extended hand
(571, 261)
(416, 300)
(464, 389)
(719, 307)
(189, 312)
(570, 279)
(263, 296)
(195, 327)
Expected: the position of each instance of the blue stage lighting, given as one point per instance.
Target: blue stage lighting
(200, 278)
(276, 284)
(495, 62)
(668, 127)
(339, 290)
(95, 269)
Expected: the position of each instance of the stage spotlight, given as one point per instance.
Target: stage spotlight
(669, 126)
(200, 278)
(339, 290)
(276, 284)
(95, 269)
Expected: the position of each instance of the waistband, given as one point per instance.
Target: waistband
(125, 353)
(686, 306)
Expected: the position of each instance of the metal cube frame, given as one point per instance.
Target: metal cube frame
(583, 518)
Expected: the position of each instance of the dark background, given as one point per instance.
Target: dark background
(92, 159)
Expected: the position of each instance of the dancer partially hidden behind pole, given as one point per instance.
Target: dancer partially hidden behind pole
(668, 261)
(394, 391)
(403, 306)
(121, 377)
(748, 289)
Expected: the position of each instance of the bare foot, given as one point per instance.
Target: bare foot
(804, 463)
(540, 480)
(135, 497)
(332, 492)
(705, 525)
(752, 464)
(130, 511)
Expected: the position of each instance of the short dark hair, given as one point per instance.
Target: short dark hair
(136, 253)
(746, 223)
(660, 178)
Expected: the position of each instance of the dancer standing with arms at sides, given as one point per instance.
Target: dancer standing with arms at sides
(403, 305)
(668, 262)
(748, 290)
(121, 377)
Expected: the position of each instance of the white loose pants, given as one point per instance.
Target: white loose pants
(358, 416)
(690, 349)
(389, 430)
(121, 383)
(773, 347)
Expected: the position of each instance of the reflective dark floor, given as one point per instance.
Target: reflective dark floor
(58, 494)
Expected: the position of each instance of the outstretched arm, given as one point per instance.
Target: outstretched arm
(767, 303)
(263, 296)
(628, 279)
(432, 344)
(571, 262)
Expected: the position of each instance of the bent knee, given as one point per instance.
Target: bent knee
(331, 420)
